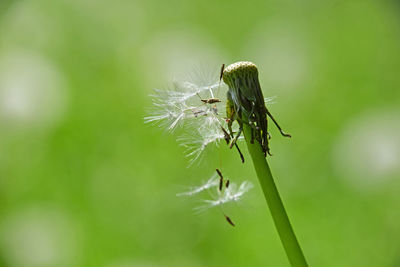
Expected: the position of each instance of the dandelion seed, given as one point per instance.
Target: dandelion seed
(211, 100)
(232, 194)
(213, 181)
(221, 73)
(229, 220)
(196, 142)
(221, 179)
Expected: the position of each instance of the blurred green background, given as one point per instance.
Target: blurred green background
(84, 182)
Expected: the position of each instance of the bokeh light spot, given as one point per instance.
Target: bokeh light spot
(367, 152)
(32, 91)
(39, 236)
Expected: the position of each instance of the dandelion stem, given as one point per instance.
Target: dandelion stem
(274, 201)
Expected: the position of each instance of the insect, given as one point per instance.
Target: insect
(227, 183)
(245, 103)
(229, 220)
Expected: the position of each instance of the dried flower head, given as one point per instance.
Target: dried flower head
(246, 103)
(198, 106)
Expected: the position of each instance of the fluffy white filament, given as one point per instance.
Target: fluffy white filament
(233, 193)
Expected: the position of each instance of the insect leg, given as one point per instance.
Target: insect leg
(276, 123)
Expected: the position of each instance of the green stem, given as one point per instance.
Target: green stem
(279, 215)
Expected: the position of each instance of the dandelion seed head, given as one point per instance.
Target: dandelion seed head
(182, 105)
(197, 105)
